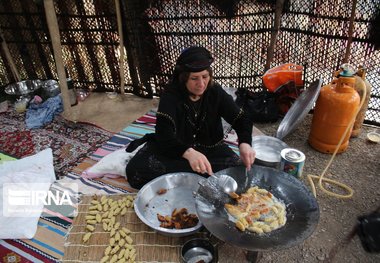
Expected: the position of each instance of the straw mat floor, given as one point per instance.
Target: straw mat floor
(150, 246)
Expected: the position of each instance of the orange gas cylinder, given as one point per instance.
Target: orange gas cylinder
(335, 109)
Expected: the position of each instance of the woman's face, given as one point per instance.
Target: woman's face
(197, 83)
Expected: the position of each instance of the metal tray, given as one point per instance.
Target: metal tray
(299, 109)
(180, 188)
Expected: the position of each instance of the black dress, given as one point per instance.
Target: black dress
(182, 124)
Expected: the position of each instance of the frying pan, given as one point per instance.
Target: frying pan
(302, 210)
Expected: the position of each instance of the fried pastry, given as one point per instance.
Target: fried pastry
(257, 210)
(179, 219)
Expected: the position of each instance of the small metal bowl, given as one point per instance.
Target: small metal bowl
(111, 95)
(199, 250)
(23, 87)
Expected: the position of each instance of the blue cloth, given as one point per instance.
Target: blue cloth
(37, 115)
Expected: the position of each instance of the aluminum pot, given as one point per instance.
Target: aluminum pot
(199, 250)
(50, 88)
(268, 150)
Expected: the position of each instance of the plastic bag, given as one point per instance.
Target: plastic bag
(27, 176)
(258, 107)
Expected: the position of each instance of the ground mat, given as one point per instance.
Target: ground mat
(141, 241)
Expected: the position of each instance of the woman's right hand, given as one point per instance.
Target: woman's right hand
(198, 161)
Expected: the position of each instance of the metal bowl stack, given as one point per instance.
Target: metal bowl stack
(24, 87)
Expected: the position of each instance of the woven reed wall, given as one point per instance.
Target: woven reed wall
(312, 33)
(89, 39)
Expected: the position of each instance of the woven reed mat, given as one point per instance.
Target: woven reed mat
(150, 246)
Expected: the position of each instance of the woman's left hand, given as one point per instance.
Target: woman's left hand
(247, 154)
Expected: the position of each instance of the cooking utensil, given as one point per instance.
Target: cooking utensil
(50, 88)
(162, 195)
(197, 249)
(297, 112)
(226, 183)
(302, 209)
(268, 150)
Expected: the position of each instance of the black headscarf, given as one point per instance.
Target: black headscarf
(194, 59)
(191, 59)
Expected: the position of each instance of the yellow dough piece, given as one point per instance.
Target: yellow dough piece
(257, 210)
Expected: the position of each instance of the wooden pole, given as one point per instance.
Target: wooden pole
(58, 56)
(121, 60)
(9, 58)
(276, 29)
(350, 32)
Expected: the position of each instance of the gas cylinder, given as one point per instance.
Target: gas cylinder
(335, 110)
(361, 85)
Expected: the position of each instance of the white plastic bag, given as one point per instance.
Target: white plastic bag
(19, 180)
(112, 165)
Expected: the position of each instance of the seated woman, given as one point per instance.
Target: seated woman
(189, 133)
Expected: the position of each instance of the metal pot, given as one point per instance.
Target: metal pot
(50, 88)
(199, 250)
(268, 150)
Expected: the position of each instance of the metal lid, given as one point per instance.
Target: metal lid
(299, 109)
(292, 155)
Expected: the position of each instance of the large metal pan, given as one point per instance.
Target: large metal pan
(179, 194)
(301, 207)
(299, 109)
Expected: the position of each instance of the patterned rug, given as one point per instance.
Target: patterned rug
(71, 142)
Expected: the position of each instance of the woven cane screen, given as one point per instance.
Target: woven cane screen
(313, 33)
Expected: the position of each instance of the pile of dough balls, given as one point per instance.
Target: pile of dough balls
(104, 211)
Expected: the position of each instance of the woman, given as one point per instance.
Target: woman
(189, 133)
